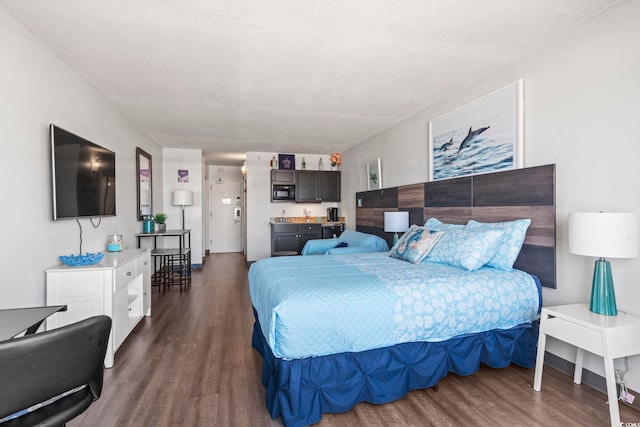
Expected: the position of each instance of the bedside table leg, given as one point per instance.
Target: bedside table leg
(542, 342)
(612, 392)
(577, 374)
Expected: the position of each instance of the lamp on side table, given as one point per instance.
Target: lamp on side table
(603, 234)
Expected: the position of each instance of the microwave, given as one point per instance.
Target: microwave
(284, 193)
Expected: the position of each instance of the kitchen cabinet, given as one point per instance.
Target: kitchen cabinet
(292, 237)
(283, 176)
(119, 287)
(317, 186)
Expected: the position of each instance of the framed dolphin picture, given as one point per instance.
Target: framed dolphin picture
(481, 137)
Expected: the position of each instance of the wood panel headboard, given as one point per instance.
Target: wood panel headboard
(493, 197)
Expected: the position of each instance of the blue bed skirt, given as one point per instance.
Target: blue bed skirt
(301, 390)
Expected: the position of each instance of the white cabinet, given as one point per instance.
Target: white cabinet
(119, 287)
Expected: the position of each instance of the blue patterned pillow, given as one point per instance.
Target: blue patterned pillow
(512, 240)
(466, 249)
(415, 244)
(436, 224)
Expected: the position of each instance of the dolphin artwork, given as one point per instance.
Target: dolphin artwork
(472, 134)
(446, 145)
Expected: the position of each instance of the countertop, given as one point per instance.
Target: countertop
(301, 220)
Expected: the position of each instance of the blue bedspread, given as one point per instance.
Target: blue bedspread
(314, 306)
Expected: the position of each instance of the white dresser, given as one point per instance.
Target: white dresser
(119, 287)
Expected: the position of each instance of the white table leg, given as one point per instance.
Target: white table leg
(612, 393)
(577, 374)
(542, 341)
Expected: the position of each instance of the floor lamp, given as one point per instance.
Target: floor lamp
(183, 198)
(603, 234)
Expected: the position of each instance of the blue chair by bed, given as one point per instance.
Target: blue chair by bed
(355, 241)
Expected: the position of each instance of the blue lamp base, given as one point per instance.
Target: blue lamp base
(603, 298)
(395, 238)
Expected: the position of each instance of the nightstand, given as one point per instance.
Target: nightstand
(607, 336)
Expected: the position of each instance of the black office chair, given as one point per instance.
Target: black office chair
(36, 368)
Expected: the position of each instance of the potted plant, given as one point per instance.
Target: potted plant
(161, 220)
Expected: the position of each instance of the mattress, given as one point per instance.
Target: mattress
(315, 306)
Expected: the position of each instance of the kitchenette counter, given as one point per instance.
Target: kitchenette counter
(322, 220)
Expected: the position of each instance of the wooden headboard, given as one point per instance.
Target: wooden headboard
(493, 197)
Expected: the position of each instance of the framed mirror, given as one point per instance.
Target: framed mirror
(144, 183)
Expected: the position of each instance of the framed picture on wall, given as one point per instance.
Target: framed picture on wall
(286, 161)
(374, 175)
(183, 175)
(480, 137)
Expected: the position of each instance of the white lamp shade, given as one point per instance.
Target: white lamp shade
(183, 198)
(395, 222)
(603, 234)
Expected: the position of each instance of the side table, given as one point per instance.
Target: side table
(608, 336)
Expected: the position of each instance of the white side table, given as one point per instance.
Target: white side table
(607, 336)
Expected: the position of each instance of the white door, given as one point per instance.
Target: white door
(225, 217)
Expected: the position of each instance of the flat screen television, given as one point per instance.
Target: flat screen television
(84, 177)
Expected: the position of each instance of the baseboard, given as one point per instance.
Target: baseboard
(589, 378)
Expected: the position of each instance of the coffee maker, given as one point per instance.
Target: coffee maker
(332, 214)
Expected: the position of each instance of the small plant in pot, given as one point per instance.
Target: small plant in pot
(161, 221)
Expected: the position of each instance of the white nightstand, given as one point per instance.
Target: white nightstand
(607, 336)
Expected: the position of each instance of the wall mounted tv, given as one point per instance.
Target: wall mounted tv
(84, 177)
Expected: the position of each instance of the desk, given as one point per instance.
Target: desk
(607, 336)
(15, 320)
(171, 262)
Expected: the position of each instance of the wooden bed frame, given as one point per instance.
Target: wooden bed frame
(494, 197)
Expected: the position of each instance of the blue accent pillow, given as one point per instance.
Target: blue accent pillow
(342, 245)
(466, 249)
(436, 224)
(415, 244)
(512, 240)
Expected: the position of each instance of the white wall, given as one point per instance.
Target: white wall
(191, 160)
(581, 107)
(260, 208)
(38, 89)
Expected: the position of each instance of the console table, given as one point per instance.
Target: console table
(119, 286)
(171, 265)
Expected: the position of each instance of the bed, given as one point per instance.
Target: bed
(337, 330)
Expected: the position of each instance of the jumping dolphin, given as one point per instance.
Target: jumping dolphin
(446, 145)
(472, 134)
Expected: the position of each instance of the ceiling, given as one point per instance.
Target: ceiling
(294, 76)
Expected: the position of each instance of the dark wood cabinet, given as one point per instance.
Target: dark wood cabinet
(292, 237)
(283, 176)
(317, 186)
(330, 186)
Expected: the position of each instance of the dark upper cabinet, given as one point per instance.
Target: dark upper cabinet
(283, 176)
(330, 186)
(317, 186)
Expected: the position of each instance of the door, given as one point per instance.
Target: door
(225, 217)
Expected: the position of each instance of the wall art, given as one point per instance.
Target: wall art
(480, 137)
(374, 175)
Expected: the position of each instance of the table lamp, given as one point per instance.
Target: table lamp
(396, 222)
(603, 234)
(182, 198)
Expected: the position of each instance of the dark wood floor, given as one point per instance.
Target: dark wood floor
(191, 364)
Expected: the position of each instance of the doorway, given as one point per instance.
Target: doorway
(225, 216)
